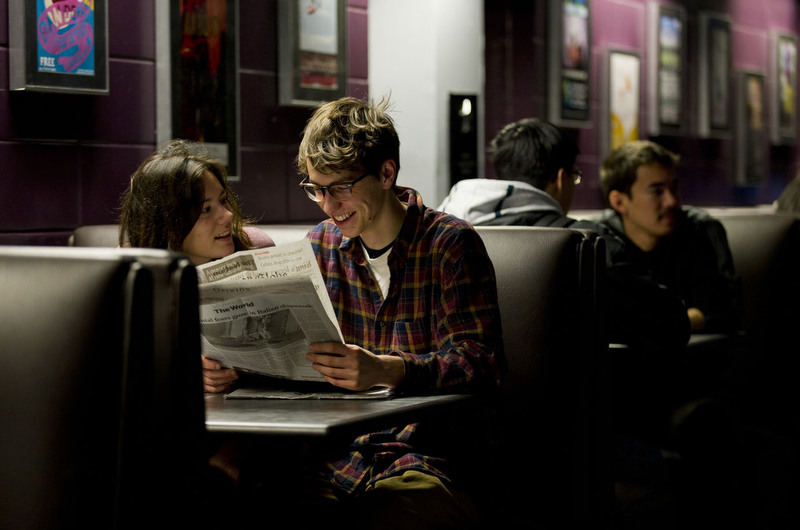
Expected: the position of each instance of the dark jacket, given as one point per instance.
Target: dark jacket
(694, 262)
(640, 312)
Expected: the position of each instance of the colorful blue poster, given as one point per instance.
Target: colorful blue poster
(65, 31)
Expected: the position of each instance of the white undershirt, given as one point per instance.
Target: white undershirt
(379, 267)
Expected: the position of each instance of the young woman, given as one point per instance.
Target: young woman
(179, 200)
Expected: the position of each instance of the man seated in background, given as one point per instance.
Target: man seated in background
(534, 162)
(684, 248)
(535, 165)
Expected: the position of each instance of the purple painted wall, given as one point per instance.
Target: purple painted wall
(516, 75)
(66, 159)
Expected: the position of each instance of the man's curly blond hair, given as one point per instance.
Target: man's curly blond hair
(349, 134)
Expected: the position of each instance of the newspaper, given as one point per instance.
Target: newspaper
(260, 309)
(274, 389)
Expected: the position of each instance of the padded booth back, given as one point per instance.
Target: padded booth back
(766, 254)
(164, 437)
(65, 323)
(107, 235)
(286, 233)
(555, 447)
(95, 236)
(87, 408)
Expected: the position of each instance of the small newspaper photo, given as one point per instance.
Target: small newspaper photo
(260, 309)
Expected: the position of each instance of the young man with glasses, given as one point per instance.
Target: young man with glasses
(535, 165)
(415, 295)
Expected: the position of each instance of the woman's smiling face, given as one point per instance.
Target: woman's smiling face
(211, 236)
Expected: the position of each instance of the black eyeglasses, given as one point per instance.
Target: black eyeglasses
(340, 192)
(577, 176)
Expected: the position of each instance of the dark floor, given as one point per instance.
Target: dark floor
(752, 482)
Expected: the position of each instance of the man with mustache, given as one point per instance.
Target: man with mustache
(684, 248)
(535, 164)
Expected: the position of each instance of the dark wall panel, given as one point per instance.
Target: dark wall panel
(131, 30)
(127, 115)
(106, 171)
(40, 186)
(516, 71)
(67, 158)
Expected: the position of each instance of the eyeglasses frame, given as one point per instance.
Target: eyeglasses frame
(310, 188)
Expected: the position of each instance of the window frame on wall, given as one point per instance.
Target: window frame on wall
(173, 103)
(783, 88)
(752, 129)
(326, 46)
(714, 75)
(612, 100)
(666, 61)
(569, 88)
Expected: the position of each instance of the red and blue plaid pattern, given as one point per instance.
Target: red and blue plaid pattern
(440, 315)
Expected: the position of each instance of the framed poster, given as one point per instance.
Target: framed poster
(713, 69)
(621, 100)
(666, 49)
(196, 73)
(783, 93)
(58, 46)
(569, 62)
(752, 145)
(312, 51)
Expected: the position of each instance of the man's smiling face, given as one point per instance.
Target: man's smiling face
(360, 213)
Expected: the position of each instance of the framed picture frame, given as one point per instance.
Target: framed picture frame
(752, 128)
(569, 63)
(58, 46)
(196, 76)
(312, 51)
(714, 76)
(783, 88)
(666, 60)
(621, 99)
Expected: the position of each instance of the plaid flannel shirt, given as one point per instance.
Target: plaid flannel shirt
(440, 316)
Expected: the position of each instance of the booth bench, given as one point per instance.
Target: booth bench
(552, 452)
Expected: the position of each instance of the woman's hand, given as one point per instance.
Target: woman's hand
(215, 377)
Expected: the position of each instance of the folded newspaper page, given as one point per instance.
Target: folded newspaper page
(260, 309)
(305, 390)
